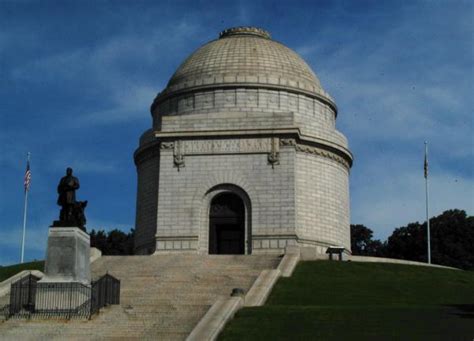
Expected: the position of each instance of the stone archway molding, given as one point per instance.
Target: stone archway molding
(215, 185)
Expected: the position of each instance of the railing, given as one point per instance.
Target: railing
(22, 295)
(105, 291)
(62, 300)
(32, 299)
(4, 312)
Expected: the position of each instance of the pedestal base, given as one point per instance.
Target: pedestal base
(67, 256)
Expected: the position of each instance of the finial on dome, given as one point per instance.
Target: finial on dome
(245, 30)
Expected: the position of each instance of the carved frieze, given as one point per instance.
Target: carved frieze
(270, 146)
(314, 150)
(321, 152)
(181, 148)
(227, 146)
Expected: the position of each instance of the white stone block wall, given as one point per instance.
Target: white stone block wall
(322, 201)
(147, 202)
(183, 206)
(227, 120)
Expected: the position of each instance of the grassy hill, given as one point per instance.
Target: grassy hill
(362, 301)
(8, 271)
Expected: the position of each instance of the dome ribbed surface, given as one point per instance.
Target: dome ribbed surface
(245, 56)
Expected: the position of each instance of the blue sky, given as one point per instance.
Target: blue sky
(77, 79)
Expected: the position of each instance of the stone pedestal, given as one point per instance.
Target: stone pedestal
(67, 275)
(67, 256)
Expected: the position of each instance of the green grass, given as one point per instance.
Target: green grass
(8, 271)
(362, 301)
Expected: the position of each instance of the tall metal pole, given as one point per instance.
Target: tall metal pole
(24, 219)
(427, 206)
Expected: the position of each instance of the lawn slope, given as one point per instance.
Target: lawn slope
(362, 301)
(8, 271)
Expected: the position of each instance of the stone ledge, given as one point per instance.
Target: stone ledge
(289, 262)
(5, 285)
(95, 254)
(215, 319)
(261, 288)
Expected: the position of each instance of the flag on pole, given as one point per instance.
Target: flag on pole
(27, 180)
(428, 239)
(426, 163)
(26, 184)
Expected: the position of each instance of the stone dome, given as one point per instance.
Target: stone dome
(248, 57)
(242, 120)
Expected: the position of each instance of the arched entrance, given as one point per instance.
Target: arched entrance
(227, 225)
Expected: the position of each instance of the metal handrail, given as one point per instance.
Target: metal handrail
(29, 298)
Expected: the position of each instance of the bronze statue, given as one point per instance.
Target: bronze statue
(72, 211)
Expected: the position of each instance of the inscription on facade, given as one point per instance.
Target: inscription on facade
(263, 145)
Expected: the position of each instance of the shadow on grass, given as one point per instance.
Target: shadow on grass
(462, 310)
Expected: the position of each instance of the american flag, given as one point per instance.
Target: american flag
(27, 179)
(425, 165)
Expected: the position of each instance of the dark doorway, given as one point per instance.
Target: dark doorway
(227, 225)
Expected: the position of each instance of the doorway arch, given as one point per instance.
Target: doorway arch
(227, 224)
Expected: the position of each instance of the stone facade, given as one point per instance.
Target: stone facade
(243, 115)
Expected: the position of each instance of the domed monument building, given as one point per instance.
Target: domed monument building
(243, 156)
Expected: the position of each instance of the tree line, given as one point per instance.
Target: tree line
(452, 241)
(114, 242)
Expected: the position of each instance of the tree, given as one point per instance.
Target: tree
(115, 242)
(408, 242)
(99, 240)
(362, 242)
(452, 240)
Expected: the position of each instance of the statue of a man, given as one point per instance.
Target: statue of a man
(72, 211)
(67, 189)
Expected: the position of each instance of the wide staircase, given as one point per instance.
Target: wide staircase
(162, 297)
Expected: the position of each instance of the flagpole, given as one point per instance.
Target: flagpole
(24, 218)
(427, 208)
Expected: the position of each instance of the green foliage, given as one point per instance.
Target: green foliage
(8, 271)
(115, 242)
(452, 240)
(362, 243)
(362, 301)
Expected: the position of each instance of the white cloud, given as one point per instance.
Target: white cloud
(127, 105)
(104, 71)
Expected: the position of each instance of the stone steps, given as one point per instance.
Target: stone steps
(162, 297)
